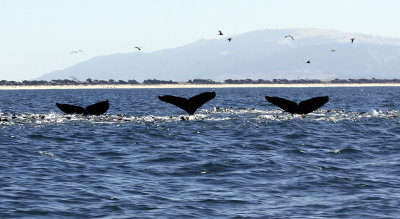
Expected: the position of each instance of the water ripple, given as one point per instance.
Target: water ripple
(141, 159)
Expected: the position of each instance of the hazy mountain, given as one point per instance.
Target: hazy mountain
(264, 54)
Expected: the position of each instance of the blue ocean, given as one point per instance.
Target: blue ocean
(239, 156)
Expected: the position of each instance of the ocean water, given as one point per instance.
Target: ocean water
(246, 160)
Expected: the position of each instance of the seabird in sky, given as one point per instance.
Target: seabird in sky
(220, 33)
(333, 50)
(308, 62)
(352, 40)
(229, 39)
(76, 51)
(139, 48)
(289, 36)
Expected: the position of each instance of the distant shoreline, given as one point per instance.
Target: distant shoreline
(146, 86)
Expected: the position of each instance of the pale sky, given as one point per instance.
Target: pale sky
(37, 36)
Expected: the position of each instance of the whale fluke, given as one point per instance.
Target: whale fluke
(70, 109)
(189, 105)
(304, 107)
(95, 109)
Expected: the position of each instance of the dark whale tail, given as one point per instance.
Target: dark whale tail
(304, 107)
(70, 109)
(95, 109)
(189, 105)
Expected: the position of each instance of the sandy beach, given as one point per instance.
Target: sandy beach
(145, 86)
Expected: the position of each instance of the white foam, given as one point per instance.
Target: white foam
(48, 153)
(375, 112)
(219, 115)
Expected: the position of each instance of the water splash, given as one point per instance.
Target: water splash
(217, 114)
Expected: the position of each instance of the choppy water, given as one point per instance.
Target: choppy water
(245, 160)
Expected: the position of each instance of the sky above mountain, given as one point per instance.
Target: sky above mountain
(263, 54)
(43, 35)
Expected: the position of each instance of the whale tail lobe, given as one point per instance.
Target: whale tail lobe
(304, 107)
(95, 109)
(70, 109)
(189, 105)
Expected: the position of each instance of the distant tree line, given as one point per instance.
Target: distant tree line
(362, 80)
(90, 81)
(155, 81)
(310, 81)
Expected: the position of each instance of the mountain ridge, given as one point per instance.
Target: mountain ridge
(260, 54)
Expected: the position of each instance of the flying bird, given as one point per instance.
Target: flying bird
(75, 78)
(352, 40)
(308, 62)
(189, 105)
(138, 48)
(229, 39)
(333, 50)
(289, 36)
(304, 107)
(76, 51)
(220, 33)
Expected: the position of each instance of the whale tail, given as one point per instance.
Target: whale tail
(70, 109)
(189, 105)
(97, 108)
(304, 107)
(94, 109)
(286, 105)
(307, 106)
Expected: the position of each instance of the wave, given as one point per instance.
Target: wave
(217, 114)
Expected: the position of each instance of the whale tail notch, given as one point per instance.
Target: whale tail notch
(189, 105)
(94, 109)
(304, 107)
